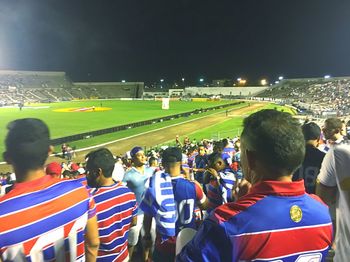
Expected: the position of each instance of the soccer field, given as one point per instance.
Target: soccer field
(67, 118)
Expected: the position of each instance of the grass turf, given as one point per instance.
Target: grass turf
(123, 112)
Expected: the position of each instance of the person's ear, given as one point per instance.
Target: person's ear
(51, 150)
(7, 158)
(251, 159)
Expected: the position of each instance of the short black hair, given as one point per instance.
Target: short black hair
(101, 158)
(27, 143)
(276, 138)
(311, 131)
(152, 160)
(172, 155)
(213, 158)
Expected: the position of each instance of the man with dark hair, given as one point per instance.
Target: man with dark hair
(185, 194)
(272, 220)
(115, 205)
(200, 163)
(136, 179)
(43, 218)
(333, 130)
(333, 185)
(313, 157)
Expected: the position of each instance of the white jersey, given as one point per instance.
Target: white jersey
(335, 173)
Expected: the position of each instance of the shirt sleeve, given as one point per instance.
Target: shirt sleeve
(209, 244)
(200, 196)
(327, 176)
(342, 162)
(92, 207)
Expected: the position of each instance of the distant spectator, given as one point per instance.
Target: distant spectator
(54, 169)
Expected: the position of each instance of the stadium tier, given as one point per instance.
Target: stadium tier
(18, 87)
(323, 96)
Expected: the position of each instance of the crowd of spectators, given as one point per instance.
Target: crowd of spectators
(242, 195)
(318, 95)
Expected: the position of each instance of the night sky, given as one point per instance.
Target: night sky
(111, 40)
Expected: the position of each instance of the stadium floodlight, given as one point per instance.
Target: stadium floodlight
(239, 79)
(201, 80)
(280, 78)
(123, 81)
(183, 79)
(277, 82)
(327, 76)
(162, 80)
(263, 82)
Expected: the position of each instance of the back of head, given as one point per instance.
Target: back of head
(101, 159)
(333, 123)
(311, 131)
(27, 144)
(171, 157)
(276, 139)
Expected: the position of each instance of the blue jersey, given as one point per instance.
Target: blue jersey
(186, 195)
(276, 221)
(137, 182)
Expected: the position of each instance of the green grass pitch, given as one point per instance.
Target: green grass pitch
(68, 123)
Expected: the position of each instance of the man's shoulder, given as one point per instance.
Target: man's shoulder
(227, 211)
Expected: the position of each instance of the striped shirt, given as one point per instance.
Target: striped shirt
(115, 208)
(276, 221)
(45, 219)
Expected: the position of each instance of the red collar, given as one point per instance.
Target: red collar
(35, 183)
(279, 188)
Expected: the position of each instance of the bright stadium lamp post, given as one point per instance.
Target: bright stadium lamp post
(327, 76)
(280, 78)
(183, 81)
(161, 83)
(123, 81)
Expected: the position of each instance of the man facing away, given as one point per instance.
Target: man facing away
(185, 194)
(115, 206)
(313, 157)
(43, 217)
(276, 220)
(136, 179)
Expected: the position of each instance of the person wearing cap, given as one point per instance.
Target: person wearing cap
(186, 195)
(115, 205)
(277, 220)
(136, 179)
(313, 157)
(54, 169)
(43, 218)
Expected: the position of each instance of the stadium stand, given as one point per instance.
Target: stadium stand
(322, 96)
(39, 86)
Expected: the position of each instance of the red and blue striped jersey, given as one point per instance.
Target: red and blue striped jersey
(276, 221)
(115, 208)
(44, 220)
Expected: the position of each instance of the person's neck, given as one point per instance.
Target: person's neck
(173, 173)
(107, 181)
(140, 168)
(313, 143)
(29, 175)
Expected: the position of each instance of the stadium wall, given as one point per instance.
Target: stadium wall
(225, 91)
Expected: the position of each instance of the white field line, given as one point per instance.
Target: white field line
(140, 134)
